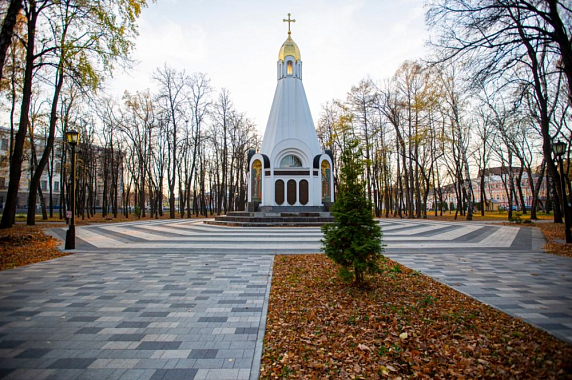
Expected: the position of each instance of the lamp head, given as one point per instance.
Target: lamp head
(558, 148)
(72, 137)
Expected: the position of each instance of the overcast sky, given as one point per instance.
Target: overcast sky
(236, 44)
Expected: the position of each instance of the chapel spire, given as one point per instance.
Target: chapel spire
(289, 47)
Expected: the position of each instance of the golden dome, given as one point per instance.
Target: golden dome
(289, 47)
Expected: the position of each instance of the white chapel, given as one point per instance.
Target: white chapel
(290, 169)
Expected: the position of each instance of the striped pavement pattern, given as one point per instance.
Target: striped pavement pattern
(194, 236)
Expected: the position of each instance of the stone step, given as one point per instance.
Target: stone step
(291, 209)
(274, 217)
(264, 224)
(239, 213)
(292, 219)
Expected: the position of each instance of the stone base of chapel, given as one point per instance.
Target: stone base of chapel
(276, 216)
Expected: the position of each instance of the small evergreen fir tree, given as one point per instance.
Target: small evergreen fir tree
(354, 239)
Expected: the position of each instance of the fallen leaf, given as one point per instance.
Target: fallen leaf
(363, 347)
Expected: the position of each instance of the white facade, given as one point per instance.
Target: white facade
(290, 169)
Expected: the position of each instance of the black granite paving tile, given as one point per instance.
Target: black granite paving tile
(182, 305)
(203, 354)
(4, 372)
(246, 309)
(150, 346)
(172, 345)
(24, 313)
(105, 297)
(133, 325)
(529, 302)
(556, 315)
(11, 343)
(133, 309)
(174, 287)
(55, 300)
(78, 304)
(72, 363)
(35, 291)
(32, 353)
(154, 314)
(213, 319)
(553, 326)
(89, 330)
(126, 337)
(83, 319)
(174, 374)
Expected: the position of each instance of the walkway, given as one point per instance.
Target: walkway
(184, 300)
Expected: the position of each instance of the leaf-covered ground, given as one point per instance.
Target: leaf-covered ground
(405, 326)
(489, 216)
(23, 245)
(555, 238)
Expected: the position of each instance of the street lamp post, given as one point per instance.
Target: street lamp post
(72, 138)
(559, 148)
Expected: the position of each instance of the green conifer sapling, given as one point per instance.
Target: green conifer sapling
(354, 239)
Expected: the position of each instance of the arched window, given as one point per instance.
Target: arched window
(303, 192)
(289, 68)
(256, 181)
(291, 161)
(291, 192)
(326, 188)
(279, 192)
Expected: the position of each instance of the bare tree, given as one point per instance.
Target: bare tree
(172, 98)
(501, 37)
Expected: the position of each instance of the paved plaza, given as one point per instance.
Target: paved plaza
(184, 300)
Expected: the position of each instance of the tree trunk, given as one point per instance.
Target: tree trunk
(8, 217)
(35, 182)
(563, 41)
(8, 30)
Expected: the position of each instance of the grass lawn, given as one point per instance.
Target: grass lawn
(405, 326)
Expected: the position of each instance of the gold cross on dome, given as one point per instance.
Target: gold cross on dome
(289, 20)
